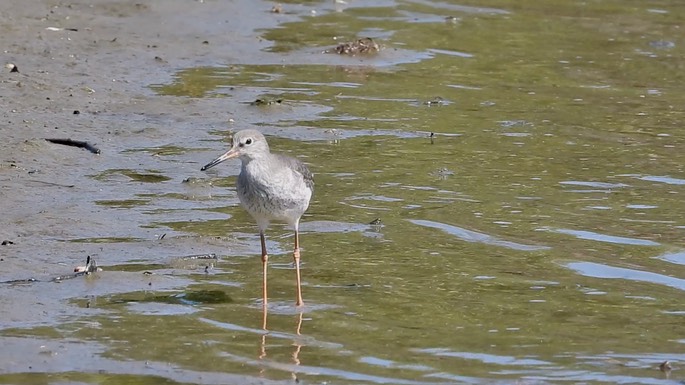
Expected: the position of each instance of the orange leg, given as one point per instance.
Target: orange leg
(265, 313)
(265, 260)
(296, 257)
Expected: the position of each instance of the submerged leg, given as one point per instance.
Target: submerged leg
(296, 257)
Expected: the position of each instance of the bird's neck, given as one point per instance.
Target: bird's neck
(259, 158)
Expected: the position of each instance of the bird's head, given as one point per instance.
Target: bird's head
(246, 145)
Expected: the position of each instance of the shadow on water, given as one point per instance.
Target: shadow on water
(535, 237)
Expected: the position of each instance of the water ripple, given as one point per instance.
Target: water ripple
(394, 365)
(462, 8)
(663, 179)
(593, 184)
(596, 270)
(321, 371)
(677, 257)
(476, 237)
(593, 236)
(451, 53)
(483, 357)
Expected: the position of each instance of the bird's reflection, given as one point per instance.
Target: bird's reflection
(296, 342)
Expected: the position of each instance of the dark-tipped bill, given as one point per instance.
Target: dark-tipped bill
(228, 155)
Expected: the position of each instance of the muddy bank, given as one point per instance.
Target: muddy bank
(84, 71)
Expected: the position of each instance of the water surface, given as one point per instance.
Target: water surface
(536, 237)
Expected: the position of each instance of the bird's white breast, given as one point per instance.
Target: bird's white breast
(271, 190)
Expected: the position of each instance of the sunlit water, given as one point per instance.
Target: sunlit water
(536, 237)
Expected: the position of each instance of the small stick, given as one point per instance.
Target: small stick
(76, 143)
(53, 184)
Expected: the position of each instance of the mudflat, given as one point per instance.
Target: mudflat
(82, 71)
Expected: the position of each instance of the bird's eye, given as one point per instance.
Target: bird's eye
(248, 141)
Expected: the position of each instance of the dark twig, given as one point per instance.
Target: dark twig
(53, 184)
(76, 143)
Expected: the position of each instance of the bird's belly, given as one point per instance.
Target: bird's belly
(268, 202)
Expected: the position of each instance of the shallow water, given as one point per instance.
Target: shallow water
(536, 237)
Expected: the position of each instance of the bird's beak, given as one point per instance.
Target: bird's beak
(232, 153)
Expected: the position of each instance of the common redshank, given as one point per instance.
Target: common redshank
(270, 187)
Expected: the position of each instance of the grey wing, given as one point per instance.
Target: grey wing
(301, 168)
